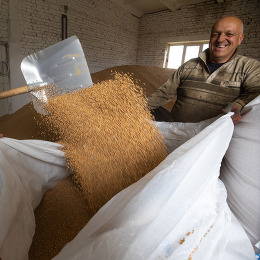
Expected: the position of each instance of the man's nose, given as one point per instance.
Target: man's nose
(221, 37)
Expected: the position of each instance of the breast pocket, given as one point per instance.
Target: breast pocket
(228, 91)
(230, 84)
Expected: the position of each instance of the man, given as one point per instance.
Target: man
(216, 82)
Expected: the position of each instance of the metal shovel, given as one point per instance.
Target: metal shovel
(62, 65)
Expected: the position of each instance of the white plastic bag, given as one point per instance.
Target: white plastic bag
(28, 168)
(177, 133)
(240, 171)
(176, 211)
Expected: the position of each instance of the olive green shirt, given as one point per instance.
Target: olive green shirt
(201, 95)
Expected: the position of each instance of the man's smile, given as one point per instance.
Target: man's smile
(221, 46)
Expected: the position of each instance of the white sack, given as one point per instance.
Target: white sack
(149, 219)
(28, 169)
(240, 171)
(177, 133)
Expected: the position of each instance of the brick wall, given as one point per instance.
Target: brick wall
(3, 20)
(193, 22)
(4, 80)
(108, 34)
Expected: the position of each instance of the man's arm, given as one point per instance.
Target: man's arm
(166, 92)
(251, 89)
(251, 85)
(232, 108)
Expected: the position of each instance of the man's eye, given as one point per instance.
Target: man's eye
(214, 35)
(230, 34)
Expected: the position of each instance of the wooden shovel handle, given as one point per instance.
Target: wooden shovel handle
(14, 92)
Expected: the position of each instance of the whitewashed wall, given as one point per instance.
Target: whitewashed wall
(194, 22)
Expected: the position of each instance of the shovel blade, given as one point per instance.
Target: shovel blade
(62, 65)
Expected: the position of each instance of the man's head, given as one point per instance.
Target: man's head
(226, 35)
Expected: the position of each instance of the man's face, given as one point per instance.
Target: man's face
(226, 35)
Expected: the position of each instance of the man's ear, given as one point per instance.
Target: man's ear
(241, 37)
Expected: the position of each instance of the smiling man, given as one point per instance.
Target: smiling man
(216, 82)
(226, 35)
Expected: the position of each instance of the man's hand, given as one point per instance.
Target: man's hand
(1, 135)
(232, 108)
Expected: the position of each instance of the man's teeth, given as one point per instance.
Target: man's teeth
(220, 46)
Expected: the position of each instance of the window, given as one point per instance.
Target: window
(179, 53)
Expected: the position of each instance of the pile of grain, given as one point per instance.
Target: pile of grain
(108, 137)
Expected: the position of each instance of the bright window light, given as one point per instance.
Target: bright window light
(179, 53)
(175, 56)
(205, 46)
(191, 52)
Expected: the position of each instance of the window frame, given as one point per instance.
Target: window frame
(185, 44)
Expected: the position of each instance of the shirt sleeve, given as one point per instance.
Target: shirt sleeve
(251, 85)
(166, 92)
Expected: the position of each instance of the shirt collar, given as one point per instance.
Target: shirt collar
(205, 54)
